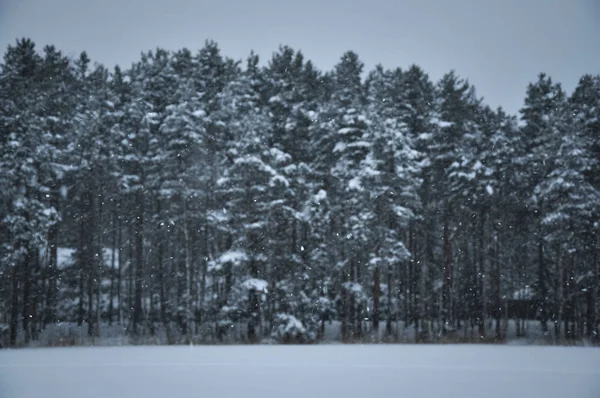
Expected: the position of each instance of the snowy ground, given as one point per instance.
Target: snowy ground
(414, 371)
(67, 334)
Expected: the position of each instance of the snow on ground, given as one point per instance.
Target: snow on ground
(348, 371)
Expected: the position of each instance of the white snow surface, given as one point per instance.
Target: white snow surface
(320, 196)
(234, 256)
(256, 284)
(355, 184)
(417, 371)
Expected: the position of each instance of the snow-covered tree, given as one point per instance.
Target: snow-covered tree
(544, 115)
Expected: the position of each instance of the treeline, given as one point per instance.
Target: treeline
(196, 192)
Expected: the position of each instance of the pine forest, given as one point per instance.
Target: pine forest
(195, 198)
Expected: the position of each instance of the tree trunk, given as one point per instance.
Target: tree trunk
(90, 298)
(447, 299)
(111, 298)
(592, 313)
(130, 265)
(559, 296)
(162, 278)
(253, 298)
(119, 267)
(497, 289)
(376, 296)
(481, 275)
(80, 310)
(406, 290)
(424, 298)
(388, 324)
(36, 296)
(52, 274)
(543, 297)
(202, 287)
(139, 262)
(14, 308)
(27, 296)
(89, 255)
(100, 266)
(414, 278)
(345, 316)
(188, 270)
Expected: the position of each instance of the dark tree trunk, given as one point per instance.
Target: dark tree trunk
(414, 307)
(253, 306)
(139, 261)
(497, 292)
(14, 308)
(543, 287)
(202, 293)
(88, 255)
(376, 297)
(180, 295)
(90, 300)
(130, 267)
(188, 273)
(27, 296)
(99, 265)
(113, 265)
(424, 299)
(559, 306)
(593, 330)
(161, 278)
(119, 267)
(481, 275)
(52, 275)
(81, 295)
(357, 305)
(447, 299)
(35, 295)
(405, 272)
(388, 323)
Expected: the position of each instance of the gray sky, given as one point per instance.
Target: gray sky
(499, 45)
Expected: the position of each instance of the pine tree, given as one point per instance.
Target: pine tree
(344, 164)
(249, 183)
(28, 215)
(585, 108)
(418, 111)
(544, 117)
(456, 106)
(94, 149)
(183, 133)
(393, 187)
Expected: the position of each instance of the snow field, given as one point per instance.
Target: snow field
(348, 371)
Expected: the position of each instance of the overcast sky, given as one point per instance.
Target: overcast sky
(499, 45)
